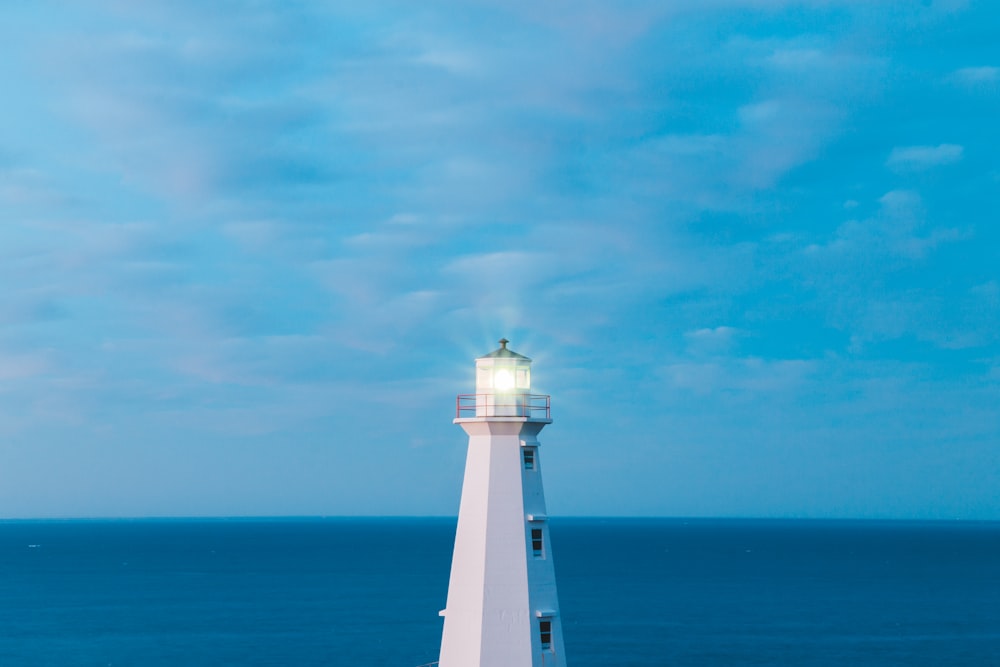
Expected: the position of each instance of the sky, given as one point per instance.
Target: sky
(249, 252)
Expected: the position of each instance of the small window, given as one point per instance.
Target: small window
(545, 631)
(536, 542)
(529, 458)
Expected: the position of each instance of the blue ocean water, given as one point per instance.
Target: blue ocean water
(674, 592)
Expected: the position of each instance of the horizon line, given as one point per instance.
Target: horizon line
(603, 517)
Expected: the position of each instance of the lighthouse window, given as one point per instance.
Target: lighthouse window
(529, 458)
(536, 542)
(545, 630)
(483, 376)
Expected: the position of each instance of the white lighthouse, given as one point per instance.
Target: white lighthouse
(502, 608)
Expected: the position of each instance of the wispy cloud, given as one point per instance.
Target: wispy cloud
(917, 158)
(224, 225)
(712, 341)
(19, 367)
(895, 231)
(747, 374)
(977, 75)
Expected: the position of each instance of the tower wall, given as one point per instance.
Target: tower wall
(498, 587)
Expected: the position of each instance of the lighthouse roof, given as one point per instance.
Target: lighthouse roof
(503, 353)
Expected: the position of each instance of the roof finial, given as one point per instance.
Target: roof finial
(503, 343)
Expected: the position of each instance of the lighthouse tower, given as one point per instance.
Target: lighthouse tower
(502, 608)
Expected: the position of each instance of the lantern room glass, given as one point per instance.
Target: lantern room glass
(502, 388)
(503, 384)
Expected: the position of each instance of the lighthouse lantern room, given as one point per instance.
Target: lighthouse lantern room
(502, 608)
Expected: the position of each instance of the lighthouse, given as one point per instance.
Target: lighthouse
(502, 608)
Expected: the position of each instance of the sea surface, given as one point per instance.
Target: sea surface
(706, 593)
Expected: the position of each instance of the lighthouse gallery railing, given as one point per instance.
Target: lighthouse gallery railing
(532, 406)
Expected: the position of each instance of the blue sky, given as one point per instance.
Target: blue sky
(249, 251)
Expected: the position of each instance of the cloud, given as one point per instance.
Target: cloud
(20, 367)
(789, 95)
(782, 134)
(175, 105)
(24, 186)
(749, 374)
(897, 231)
(877, 280)
(975, 76)
(919, 158)
(265, 219)
(711, 341)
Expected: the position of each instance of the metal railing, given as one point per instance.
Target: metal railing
(532, 406)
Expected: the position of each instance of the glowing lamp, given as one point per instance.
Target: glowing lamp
(503, 380)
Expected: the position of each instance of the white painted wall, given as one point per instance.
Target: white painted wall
(497, 587)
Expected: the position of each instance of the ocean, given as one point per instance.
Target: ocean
(705, 593)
